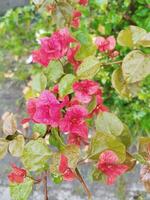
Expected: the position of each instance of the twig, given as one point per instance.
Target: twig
(45, 186)
(83, 184)
(112, 63)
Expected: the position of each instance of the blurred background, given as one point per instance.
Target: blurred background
(20, 25)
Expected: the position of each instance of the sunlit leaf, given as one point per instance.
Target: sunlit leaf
(39, 82)
(9, 124)
(3, 147)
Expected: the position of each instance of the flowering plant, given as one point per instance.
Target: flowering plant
(71, 125)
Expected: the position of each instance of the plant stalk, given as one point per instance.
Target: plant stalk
(80, 178)
(45, 186)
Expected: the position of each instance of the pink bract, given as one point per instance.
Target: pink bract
(109, 165)
(17, 175)
(105, 44)
(65, 170)
(85, 90)
(83, 2)
(45, 109)
(74, 121)
(76, 19)
(53, 48)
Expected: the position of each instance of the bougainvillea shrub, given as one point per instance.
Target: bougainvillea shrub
(71, 125)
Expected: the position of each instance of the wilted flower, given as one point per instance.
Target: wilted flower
(109, 164)
(17, 175)
(65, 170)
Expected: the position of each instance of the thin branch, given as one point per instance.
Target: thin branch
(45, 186)
(80, 178)
(112, 63)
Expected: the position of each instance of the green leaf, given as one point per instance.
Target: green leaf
(54, 163)
(56, 178)
(97, 175)
(54, 71)
(135, 66)
(101, 142)
(139, 158)
(40, 128)
(144, 145)
(92, 105)
(87, 47)
(131, 36)
(109, 123)
(3, 148)
(125, 136)
(88, 68)
(72, 152)
(55, 139)
(35, 155)
(16, 146)
(21, 191)
(39, 82)
(124, 89)
(65, 85)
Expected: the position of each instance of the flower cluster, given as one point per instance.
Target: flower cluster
(69, 114)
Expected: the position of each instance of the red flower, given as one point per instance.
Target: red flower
(83, 2)
(71, 56)
(64, 169)
(109, 165)
(74, 121)
(76, 19)
(53, 48)
(17, 175)
(45, 109)
(85, 90)
(107, 44)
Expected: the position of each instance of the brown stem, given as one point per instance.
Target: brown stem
(45, 186)
(112, 63)
(80, 178)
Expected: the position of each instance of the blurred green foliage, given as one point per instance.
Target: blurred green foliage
(19, 28)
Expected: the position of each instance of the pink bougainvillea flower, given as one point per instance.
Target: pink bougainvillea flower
(65, 170)
(76, 19)
(74, 121)
(45, 109)
(83, 2)
(77, 139)
(71, 56)
(17, 175)
(109, 164)
(85, 90)
(53, 48)
(107, 44)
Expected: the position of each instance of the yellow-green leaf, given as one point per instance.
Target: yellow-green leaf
(3, 147)
(65, 85)
(109, 123)
(135, 66)
(39, 82)
(35, 155)
(21, 191)
(16, 146)
(88, 68)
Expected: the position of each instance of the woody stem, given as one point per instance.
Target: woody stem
(112, 63)
(80, 178)
(45, 186)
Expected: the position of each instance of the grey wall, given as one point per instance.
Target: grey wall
(7, 4)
